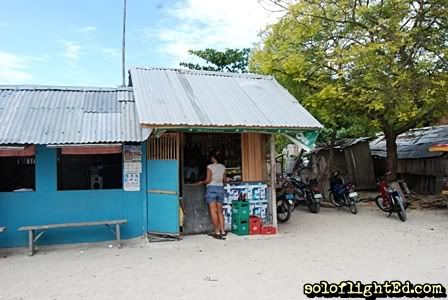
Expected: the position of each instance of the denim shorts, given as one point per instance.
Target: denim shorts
(214, 193)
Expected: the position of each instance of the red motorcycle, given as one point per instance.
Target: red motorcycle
(390, 200)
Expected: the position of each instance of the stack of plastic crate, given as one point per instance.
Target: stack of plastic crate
(240, 217)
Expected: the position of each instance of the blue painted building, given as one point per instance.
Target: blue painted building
(79, 154)
(38, 125)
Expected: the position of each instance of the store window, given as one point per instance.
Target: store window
(90, 168)
(196, 152)
(18, 168)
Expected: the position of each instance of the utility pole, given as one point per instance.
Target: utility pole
(123, 50)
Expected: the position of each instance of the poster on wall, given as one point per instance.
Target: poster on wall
(132, 167)
(255, 193)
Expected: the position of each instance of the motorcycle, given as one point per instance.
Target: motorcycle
(390, 199)
(284, 207)
(295, 192)
(343, 194)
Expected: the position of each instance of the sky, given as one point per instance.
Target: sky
(78, 43)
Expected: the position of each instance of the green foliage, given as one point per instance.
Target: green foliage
(362, 65)
(280, 143)
(229, 60)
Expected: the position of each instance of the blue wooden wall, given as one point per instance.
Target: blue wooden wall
(47, 205)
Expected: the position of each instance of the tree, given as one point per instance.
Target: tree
(229, 60)
(382, 63)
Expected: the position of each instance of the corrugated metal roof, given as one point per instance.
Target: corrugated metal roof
(176, 97)
(341, 144)
(66, 115)
(413, 144)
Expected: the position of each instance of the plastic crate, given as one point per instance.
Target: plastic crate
(240, 227)
(240, 210)
(266, 230)
(254, 225)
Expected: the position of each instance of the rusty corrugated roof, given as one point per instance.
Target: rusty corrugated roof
(414, 143)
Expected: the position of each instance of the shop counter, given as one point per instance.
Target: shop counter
(197, 217)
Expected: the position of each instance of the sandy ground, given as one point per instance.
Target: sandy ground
(332, 245)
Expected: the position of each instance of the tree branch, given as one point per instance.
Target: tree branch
(414, 122)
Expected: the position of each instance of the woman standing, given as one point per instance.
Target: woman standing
(214, 196)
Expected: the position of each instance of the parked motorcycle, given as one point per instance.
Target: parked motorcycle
(295, 192)
(343, 194)
(390, 200)
(284, 207)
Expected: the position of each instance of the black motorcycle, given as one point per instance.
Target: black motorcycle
(295, 192)
(343, 194)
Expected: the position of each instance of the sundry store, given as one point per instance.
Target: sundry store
(192, 113)
(71, 155)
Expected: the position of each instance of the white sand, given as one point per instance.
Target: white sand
(332, 245)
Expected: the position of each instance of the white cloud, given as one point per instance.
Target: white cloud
(71, 50)
(200, 24)
(13, 68)
(87, 29)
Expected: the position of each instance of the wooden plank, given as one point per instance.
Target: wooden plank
(69, 225)
(253, 156)
(166, 147)
(264, 149)
(273, 181)
(31, 242)
(27, 151)
(90, 150)
(247, 163)
(118, 234)
(164, 192)
(2, 229)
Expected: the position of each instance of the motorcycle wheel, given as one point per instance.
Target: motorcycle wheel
(379, 200)
(313, 205)
(352, 206)
(283, 211)
(401, 212)
(333, 200)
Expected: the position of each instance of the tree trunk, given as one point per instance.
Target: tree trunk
(330, 160)
(392, 155)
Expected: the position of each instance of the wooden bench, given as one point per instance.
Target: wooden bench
(32, 237)
(2, 229)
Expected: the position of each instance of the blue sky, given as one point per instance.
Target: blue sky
(68, 42)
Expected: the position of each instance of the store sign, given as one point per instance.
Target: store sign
(132, 167)
(305, 139)
(234, 130)
(439, 148)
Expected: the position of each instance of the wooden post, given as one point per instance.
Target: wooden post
(118, 234)
(273, 181)
(31, 242)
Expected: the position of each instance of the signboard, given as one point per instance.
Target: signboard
(305, 139)
(439, 148)
(290, 131)
(255, 193)
(132, 167)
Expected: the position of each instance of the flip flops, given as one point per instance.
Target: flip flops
(217, 236)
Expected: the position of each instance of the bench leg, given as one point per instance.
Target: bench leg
(31, 242)
(117, 233)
